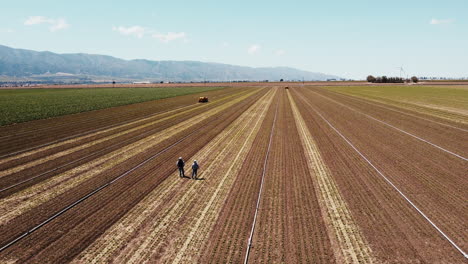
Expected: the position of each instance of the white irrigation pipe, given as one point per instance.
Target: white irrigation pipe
(249, 245)
(94, 192)
(121, 143)
(391, 183)
(401, 112)
(394, 127)
(25, 234)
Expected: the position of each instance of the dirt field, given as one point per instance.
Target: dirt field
(298, 175)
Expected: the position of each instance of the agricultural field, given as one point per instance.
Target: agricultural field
(20, 105)
(447, 102)
(308, 174)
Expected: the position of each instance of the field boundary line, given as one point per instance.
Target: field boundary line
(391, 183)
(381, 105)
(351, 243)
(249, 244)
(394, 127)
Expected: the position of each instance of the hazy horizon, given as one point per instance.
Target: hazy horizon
(343, 38)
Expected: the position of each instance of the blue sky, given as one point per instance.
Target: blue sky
(347, 38)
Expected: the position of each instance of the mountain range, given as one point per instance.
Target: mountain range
(21, 64)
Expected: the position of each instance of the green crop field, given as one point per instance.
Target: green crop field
(20, 105)
(442, 101)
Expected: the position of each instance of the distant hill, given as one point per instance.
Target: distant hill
(34, 65)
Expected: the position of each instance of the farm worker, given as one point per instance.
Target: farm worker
(180, 164)
(194, 169)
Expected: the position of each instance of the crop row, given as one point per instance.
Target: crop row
(65, 197)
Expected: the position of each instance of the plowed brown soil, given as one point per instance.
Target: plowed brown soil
(327, 160)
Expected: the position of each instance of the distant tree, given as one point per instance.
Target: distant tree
(281, 80)
(384, 79)
(371, 79)
(414, 79)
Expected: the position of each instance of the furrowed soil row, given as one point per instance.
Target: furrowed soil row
(36, 195)
(444, 112)
(85, 222)
(433, 180)
(101, 116)
(290, 227)
(454, 138)
(456, 117)
(395, 231)
(14, 175)
(348, 242)
(199, 233)
(122, 129)
(41, 132)
(407, 113)
(257, 206)
(229, 236)
(181, 218)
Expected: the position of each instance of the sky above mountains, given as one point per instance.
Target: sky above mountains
(345, 38)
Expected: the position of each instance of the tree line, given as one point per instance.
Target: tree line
(385, 79)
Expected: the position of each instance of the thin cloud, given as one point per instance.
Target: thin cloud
(34, 20)
(140, 32)
(170, 36)
(279, 52)
(136, 31)
(435, 21)
(225, 44)
(55, 24)
(253, 49)
(59, 24)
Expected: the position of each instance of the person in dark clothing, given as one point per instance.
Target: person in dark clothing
(195, 167)
(180, 164)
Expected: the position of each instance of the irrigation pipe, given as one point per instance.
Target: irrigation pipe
(94, 192)
(249, 244)
(391, 183)
(394, 127)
